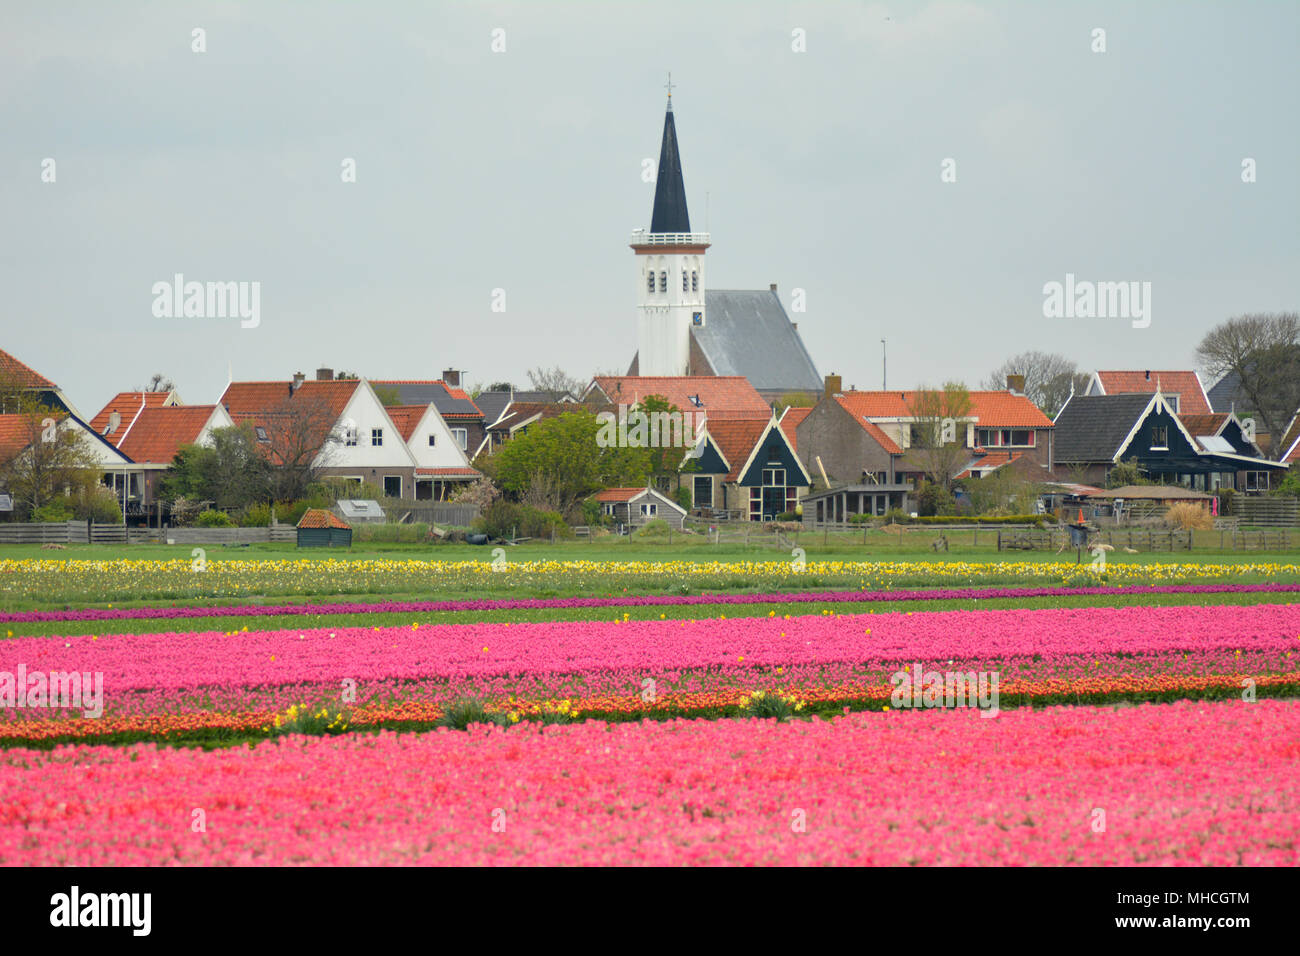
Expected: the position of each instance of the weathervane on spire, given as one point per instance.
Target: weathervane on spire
(669, 84)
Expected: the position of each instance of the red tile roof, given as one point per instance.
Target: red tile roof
(158, 433)
(249, 400)
(1203, 424)
(406, 417)
(17, 373)
(729, 395)
(127, 405)
(619, 494)
(790, 421)
(450, 471)
(320, 518)
(991, 409)
(1185, 384)
(991, 461)
(15, 434)
(737, 438)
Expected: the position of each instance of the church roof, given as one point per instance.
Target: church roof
(670, 192)
(748, 333)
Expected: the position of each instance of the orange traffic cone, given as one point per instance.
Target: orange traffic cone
(1080, 516)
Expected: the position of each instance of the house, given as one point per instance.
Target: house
(493, 404)
(339, 426)
(633, 507)
(441, 465)
(154, 436)
(746, 467)
(1182, 388)
(1094, 433)
(20, 432)
(864, 437)
(458, 410)
(686, 329)
(16, 377)
(319, 528)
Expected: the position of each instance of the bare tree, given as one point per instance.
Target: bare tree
(1263, 350)
(158, 382)
(555, 381)
(47, 461)
(299, 435)
(938, 439)
(1049, 378)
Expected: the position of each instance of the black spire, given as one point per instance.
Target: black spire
(670, 192)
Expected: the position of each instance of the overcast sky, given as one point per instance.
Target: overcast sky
(521, 170)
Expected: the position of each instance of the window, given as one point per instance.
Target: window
(1004, 438)
(1172, 402)
(433, 440)
(695, 281)
(376, 437)
(649, 510)
(393, 486)
(609, 509)
(1159, 438)
(703, 491)
(663, 281)
(650, 281)
(1256, 481)
(685, 280)
(350, 436)
(462, 437)
(773, 477)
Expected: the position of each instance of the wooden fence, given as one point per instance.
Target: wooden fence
(1155, 539)
(43, 532)
(1273, 511)
(425, 512)
(284, 532)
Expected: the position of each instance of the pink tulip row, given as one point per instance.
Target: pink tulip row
(252, 670)
(1174, 784)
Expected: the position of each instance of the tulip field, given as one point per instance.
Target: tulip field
(1146, 719)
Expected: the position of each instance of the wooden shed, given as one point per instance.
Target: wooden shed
(323, 529)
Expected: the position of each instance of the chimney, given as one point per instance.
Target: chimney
(114, 422)
(1016, 384)
(772, 286)
(834, 384)
(298, 379)
(452, 377)
(795, 326)
(324, 374)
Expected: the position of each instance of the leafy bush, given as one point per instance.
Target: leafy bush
(214, 519)
(1289, 485)
(897, 516)
(787, 516)
(502, 518)
(256, 516)
(1189, 516)
(934, 499)
(684, 498)
(57, 510)
(654, 528)
(99, 505)
(1127, 473)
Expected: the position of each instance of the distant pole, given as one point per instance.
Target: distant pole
(884, 368)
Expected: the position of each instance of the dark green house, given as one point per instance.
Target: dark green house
(323, 529)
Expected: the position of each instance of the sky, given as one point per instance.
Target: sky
(500, 146)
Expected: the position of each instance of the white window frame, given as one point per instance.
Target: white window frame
(400, 483)
(462, 437)
(649, 509)
(376, 438)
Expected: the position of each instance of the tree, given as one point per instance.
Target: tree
(1263, 350)
(671, 433)
(938, 439)
(233, 472)
(388, 395)
(561, 461)
(158, 382)
(555, 381)
(300, 439)
(796, 400)
(1126, 473)
(1049, 379)
(49, 460)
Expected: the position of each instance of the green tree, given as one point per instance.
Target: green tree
(938, 431)
(232, 472)
(562, 461)
(51, 460)
(1126, 473)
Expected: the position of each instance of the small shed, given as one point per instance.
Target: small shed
(322, 529)
(364, 510)
(637, 506)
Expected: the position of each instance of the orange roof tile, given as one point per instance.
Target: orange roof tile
(320, 518)
(619, 494)
(790, 421)
(406, 417)
(731, 395)
(157, 434)
(1183, 383)
(1203, 424)
(127, 405)
(450, 471)
(992, 409)
(737, 438)
(17, 373)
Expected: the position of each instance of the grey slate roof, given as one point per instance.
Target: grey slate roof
(1092, 427)
(422, 393)
(748, 333)
(492, 404)
(1226, 394)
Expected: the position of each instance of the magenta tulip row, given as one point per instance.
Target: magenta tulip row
(150, 673)
(646, 600)
(1172, 784)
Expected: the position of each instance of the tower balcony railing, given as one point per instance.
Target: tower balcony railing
(643, 237)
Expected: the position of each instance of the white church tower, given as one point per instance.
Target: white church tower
(670, 269)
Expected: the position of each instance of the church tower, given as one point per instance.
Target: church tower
(670, 268)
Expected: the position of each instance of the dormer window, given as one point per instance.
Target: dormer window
(261, 433)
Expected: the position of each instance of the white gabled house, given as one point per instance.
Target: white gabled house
(441, 465)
